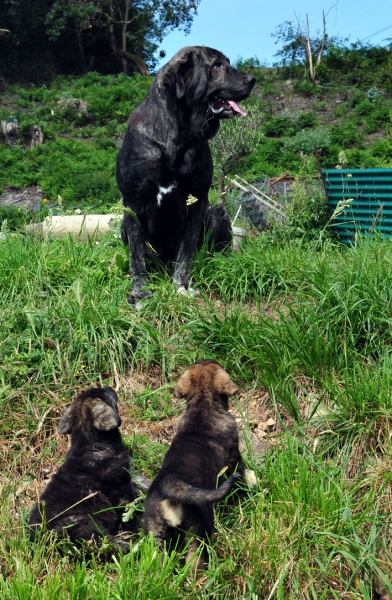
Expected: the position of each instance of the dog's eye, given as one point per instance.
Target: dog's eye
(218, 65)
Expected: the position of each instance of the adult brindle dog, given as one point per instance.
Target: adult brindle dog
(165, 160)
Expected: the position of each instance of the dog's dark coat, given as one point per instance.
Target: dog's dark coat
(94, 477)
(182, 494)
(165, 158)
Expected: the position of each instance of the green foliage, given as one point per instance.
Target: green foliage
(15, 218)
(346, 135)
(78, 159)
(307, 119)
(308, 140)
(279, 126)
(61, 36)
(234, 141)
(304, 88)
(378, 118)
(244, 64)
(155, 404)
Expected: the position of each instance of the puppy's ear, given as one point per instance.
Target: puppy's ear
(105, 418)
(183, 386)
(111, 396)
(65, 423)
(223, 383)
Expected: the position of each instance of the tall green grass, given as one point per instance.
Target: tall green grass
(310, 324)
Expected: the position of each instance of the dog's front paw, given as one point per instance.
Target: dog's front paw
(190, 292)
(139, 293)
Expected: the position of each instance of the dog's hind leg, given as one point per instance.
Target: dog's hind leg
(133, 237)
(217, 228)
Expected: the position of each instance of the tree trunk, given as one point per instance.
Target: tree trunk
(124, 37)
(135, 59)
(82, 57)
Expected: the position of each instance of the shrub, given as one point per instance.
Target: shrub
(377, 119)
(346, 135)
(306, 141)
(308, 119)
(364, 107)
(305, 88)
(280, 125)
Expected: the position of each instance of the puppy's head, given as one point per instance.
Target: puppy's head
(94, 409)
(205, 378)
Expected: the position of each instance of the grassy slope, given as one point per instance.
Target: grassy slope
(309, 326)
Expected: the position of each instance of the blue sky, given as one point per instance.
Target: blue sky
(244, 27)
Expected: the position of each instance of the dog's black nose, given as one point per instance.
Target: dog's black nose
(251, 80)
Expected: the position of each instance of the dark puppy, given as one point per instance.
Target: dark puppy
(165, 162)
(84, 497)
(181, 496)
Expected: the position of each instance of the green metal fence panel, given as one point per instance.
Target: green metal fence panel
(370, 210)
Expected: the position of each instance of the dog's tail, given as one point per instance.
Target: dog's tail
(188, 494)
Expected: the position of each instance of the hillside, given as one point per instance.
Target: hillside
(83, 120)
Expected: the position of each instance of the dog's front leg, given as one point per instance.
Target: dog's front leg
(132, 236)
(187, 251)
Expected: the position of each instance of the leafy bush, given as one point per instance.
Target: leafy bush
(364, 107)
(304, 88)
(346, 135)
(377, 119)
(306, 120)
(280, 125)
(309, 140)
(244, 64)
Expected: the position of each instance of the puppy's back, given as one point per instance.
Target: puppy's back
(83, 495)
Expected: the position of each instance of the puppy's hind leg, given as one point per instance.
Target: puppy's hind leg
(132, 236)
(197, 555)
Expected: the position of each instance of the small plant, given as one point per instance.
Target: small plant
(342, 160)
(373, 93)
(307, 141)
(243, 64)
(304, 88)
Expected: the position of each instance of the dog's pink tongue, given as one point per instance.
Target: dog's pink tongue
(237, 107)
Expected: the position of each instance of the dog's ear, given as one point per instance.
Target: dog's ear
(174, 77)
(65, 423)
(223, 384)
(174, 80)
(105, 417)
(183, 387)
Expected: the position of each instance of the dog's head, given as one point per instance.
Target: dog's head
(203, 79)
(205, 379)
(94, 410)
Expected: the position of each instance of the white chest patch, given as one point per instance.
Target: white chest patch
(162, 191)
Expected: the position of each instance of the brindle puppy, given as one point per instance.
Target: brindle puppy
(180, 499)
(85, 497)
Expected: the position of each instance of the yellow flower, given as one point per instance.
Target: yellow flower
(45, 200)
